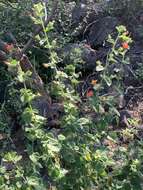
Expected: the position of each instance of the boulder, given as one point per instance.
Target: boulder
(80, 54)
(78, 13)
(100, 30)
(51, 112)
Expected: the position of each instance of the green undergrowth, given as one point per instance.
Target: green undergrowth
(87, 152)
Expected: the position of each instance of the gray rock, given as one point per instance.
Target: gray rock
(78, 13)
(123, 120)
(42, 106)
(83, 55)
(100, 30)
(138, 32)
(52, 112)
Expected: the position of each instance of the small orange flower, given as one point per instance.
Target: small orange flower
(89, 93)
(94, 82)
(125, 45)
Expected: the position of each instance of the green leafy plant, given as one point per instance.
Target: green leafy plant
(85, 151)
